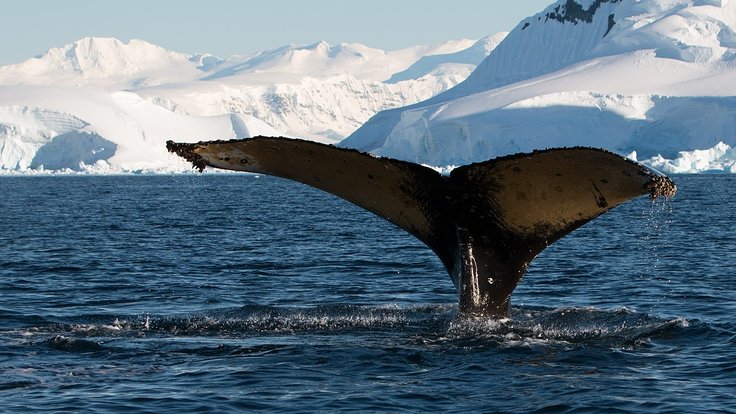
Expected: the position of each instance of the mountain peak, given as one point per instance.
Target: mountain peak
(321, 45)
(105, 59)
(100, 56)
(571, 31)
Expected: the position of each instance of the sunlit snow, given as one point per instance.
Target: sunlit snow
(652, 76)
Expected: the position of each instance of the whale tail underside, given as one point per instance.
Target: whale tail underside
(485, 221)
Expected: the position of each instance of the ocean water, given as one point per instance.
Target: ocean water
(232, 293)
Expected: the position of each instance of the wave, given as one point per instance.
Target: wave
(67, 344)
(421, 325)
(534, 326)
(264, 320)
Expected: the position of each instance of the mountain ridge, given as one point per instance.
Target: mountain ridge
(131, 97)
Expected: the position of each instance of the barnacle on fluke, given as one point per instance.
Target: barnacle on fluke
(661, 186)
(185, 151)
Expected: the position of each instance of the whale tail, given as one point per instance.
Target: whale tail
(485, 221)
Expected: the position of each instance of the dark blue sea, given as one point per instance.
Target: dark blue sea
(235, 293)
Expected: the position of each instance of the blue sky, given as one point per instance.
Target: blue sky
(228, 27)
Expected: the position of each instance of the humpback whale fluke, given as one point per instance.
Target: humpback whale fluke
(486, 221)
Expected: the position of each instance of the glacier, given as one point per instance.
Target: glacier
(651, 77)
(49, 128)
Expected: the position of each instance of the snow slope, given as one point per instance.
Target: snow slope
(42, 127)
(101, 103)
(653, 76)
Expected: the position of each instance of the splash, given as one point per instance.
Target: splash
(658, 220)
(252, 327)
(566, 326)
(67, 344)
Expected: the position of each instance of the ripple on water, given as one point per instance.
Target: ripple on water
(126, 294)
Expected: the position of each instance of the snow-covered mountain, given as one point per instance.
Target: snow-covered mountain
(102, 103)
(320, 92)
(654, 77)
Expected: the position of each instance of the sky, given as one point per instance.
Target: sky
(244, 27)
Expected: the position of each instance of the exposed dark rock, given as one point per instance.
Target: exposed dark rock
(611, 23)
(574, 13)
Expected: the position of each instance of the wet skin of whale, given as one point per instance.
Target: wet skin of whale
(485, 221)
